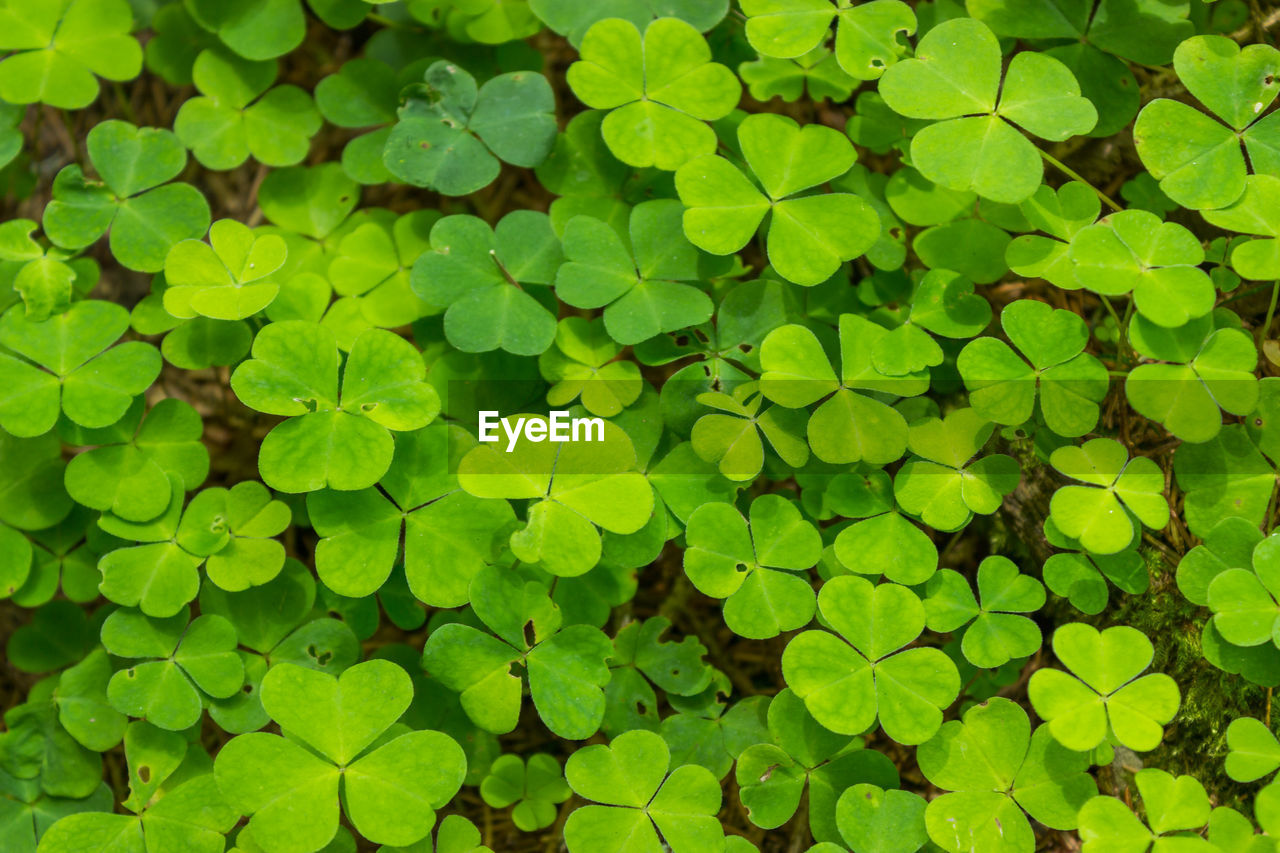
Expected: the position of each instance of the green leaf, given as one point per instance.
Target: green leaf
(809, 236)
(955, 79)
(1133, 251)
(58, 50)
(644, 290)
(640, 799)
(1109, 699)
(336, 440)
(847, 683)
(1096, 513)
(451, 135)
(660, 86)
(86, 378)
(1198, 160)
(145, 215)
(749, 569)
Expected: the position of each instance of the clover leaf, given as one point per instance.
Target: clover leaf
(730, 436)
(660, 87)
(1133, 251)
(56, 49)
(942, 482)
(1254, 751)
(1199, 159)
(1253, 213)
(249, 517)
(264, 31)
(160, 576)
(364, 93)
(536, 788)
(239, 115)
(955, 80)
(754, 569)
(389, 786)
(479, 274)
(1098, 37)
(191, 810)
(133, 200)
(871, 818)
(1098, 514)
(848, 426)
(635, 798)
(1003, 386)
(228, 278)
(998, 773)
(1107, 698)
(179, 662)
(572, 18)
(797, 755)
(867, 34)
(448, 535)
(451, 135)
(817, 71)
(67, 364)
(997, 634)
(584, 364)
(126, 471)
(849, 680)
(644, 290)
(39, 751)
(943, 303)
(887, 544)
(1173, 805)
(371, 269)
(46, 279)
(1081, 577)
(704, 732)
(565, 665)
(1061, 214)
(30, 812)
(809, 235)
(575, 491)
(340, 440)
(1189, 397)
(640, 657)
(1241, 598)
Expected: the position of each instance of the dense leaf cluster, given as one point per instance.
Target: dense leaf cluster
(903, 421)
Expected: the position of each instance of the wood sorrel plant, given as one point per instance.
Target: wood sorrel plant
(924, 354)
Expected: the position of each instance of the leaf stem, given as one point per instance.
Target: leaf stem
(1075, 176)
(1271, 311)
(1111, 309)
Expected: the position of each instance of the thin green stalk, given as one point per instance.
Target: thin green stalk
(1271, 311)
(1111, 309)
(1075, 176)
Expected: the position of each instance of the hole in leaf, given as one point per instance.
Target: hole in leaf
(144, 773)
(641, 709)
(248, 688)
(682, 340)
(529, 634)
